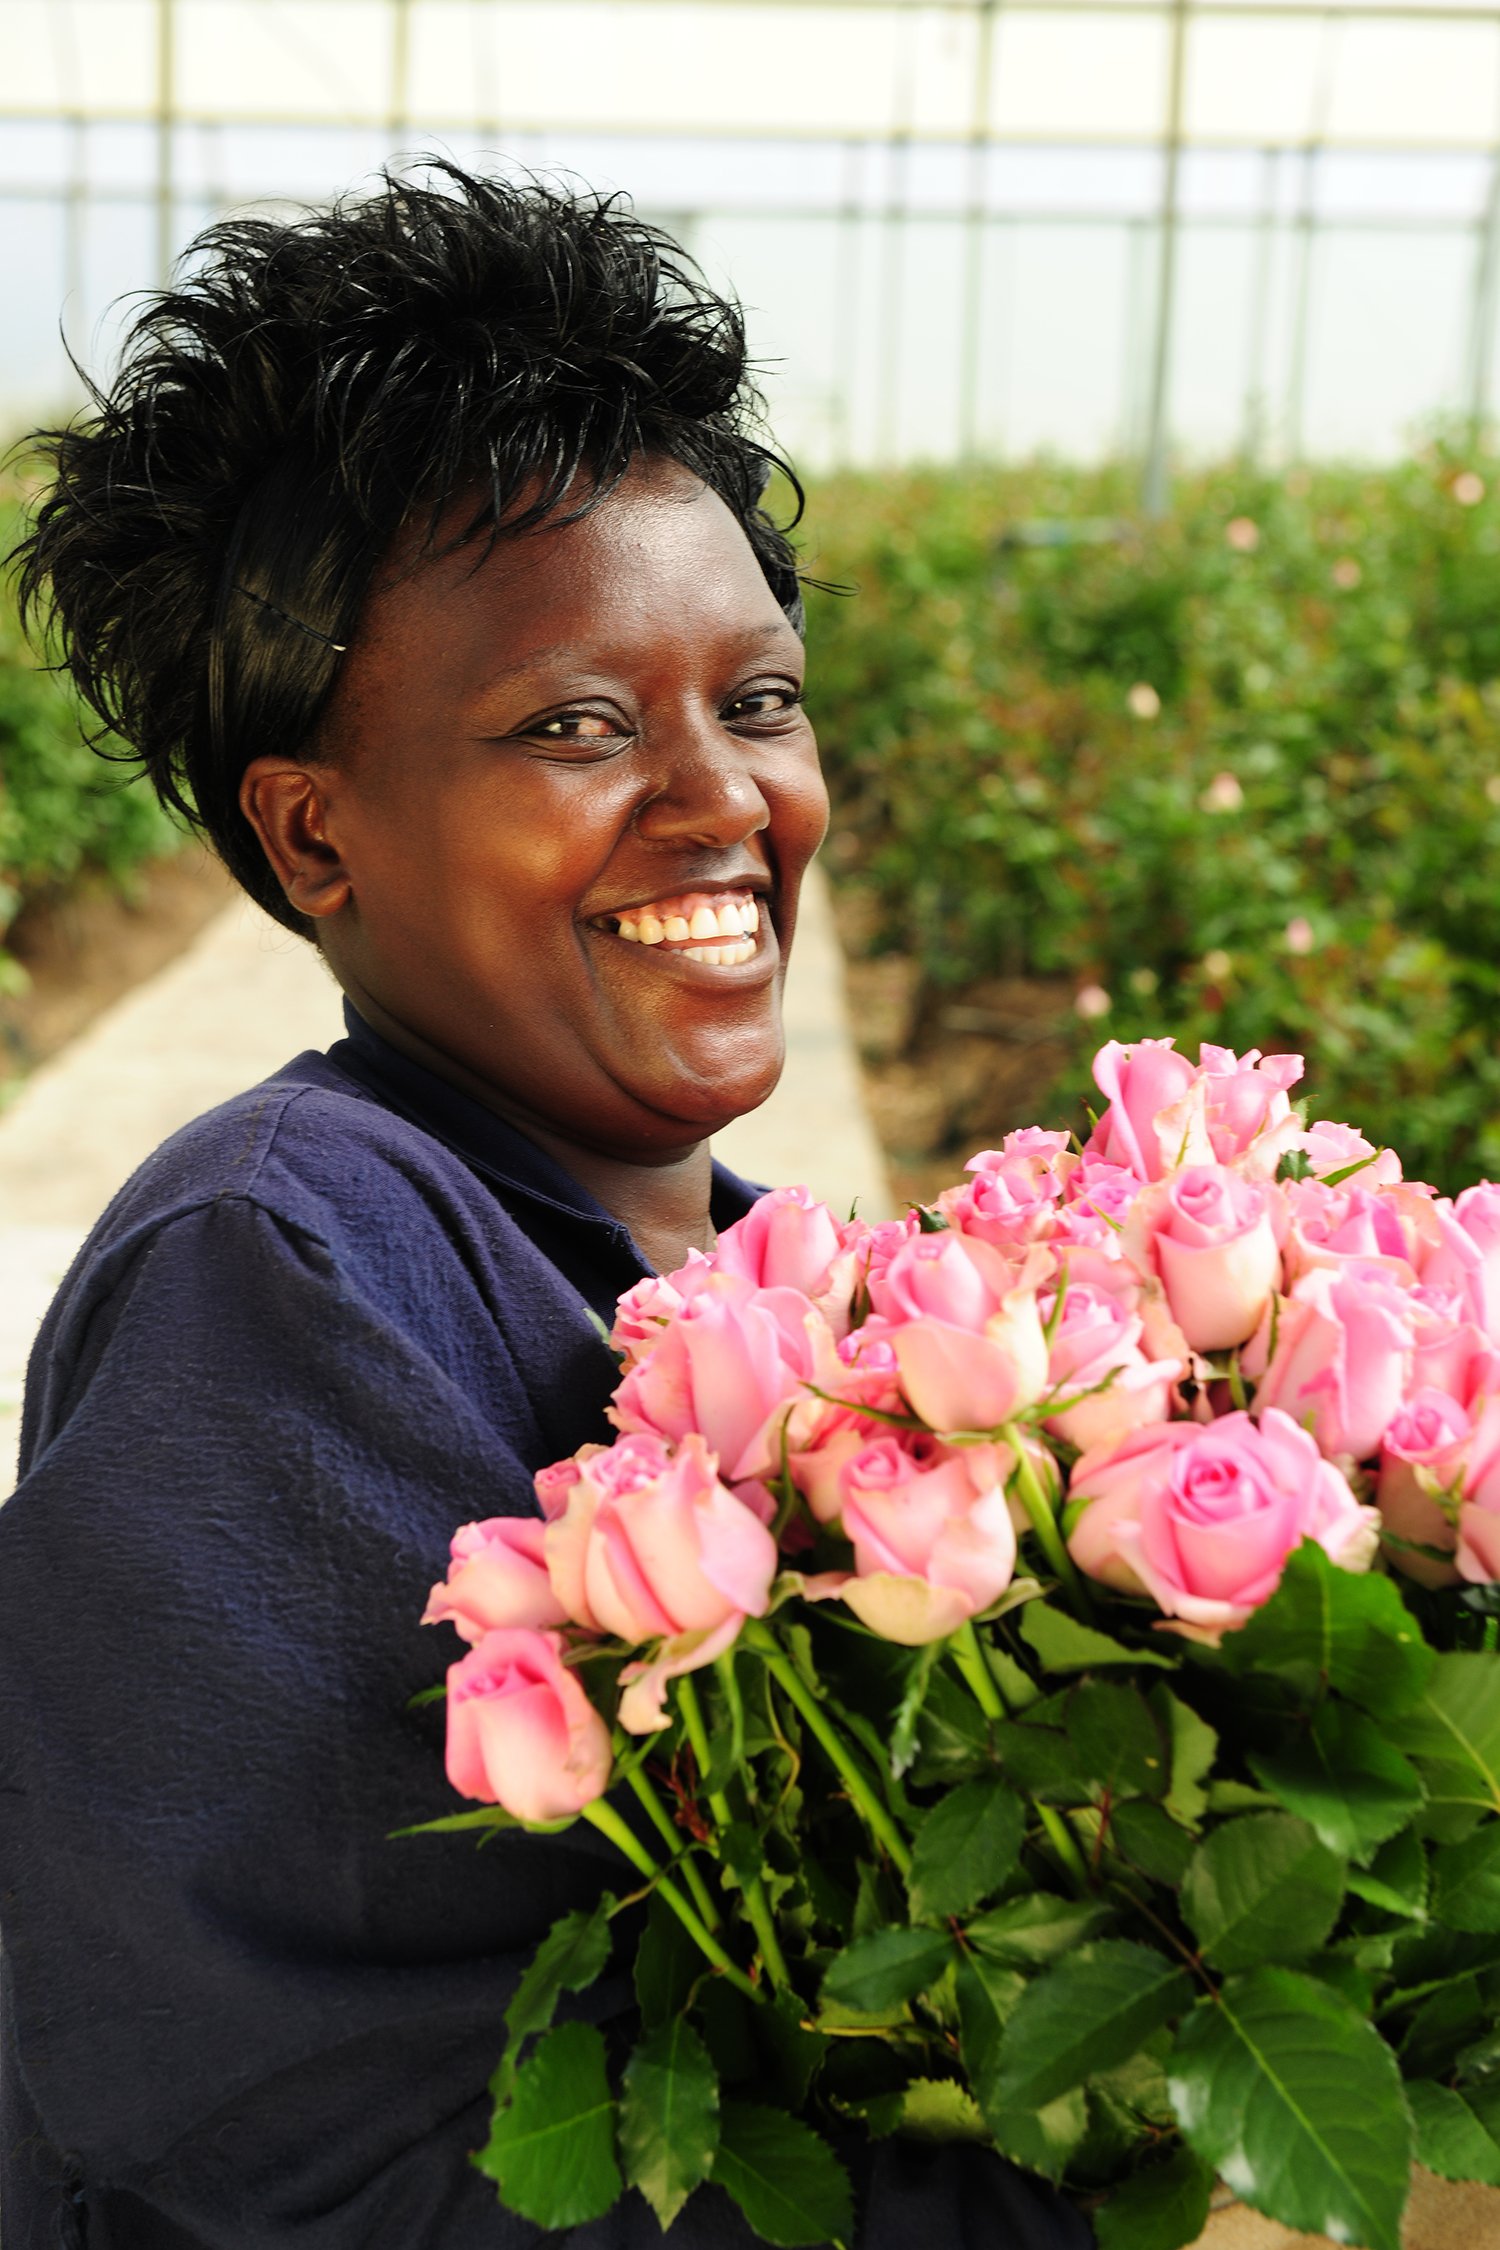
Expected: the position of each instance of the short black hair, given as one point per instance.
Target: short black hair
(215, 515)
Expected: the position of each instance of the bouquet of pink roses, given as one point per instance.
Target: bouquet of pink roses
(1038, 1657)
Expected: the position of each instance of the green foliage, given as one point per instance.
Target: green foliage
(669, 2117)
(63, 809)
(551, 2150)
(1002, 810)
(786, 2180)
(965, 1848)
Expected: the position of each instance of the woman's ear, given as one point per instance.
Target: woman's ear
(287, 806)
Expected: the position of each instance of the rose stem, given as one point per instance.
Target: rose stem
(796, 1690)
(603, 1816)
(675, 1844)
(1044, 1523)
(757, 1906)
(969, 1656)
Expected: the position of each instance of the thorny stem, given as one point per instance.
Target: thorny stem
(796, 1690)
(1044, 1523)
(661, 1821)
(757, 1905)
(603, 1816)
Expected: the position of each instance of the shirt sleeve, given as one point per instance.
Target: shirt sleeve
(241, 2016)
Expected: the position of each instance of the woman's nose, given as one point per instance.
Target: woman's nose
(709, 795)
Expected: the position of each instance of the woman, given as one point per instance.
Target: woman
(419, 549)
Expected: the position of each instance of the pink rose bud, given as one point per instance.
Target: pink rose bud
(1209, 1235)
(964, 1327)
(1330, 1148)
(1142, 1083)
(653, 1544)
(644, 1311)
(1247, 1108)
(932, 1536)
(1342, 1359)
(1099, 1197)
(1478, 1554)
(521, 1731)
(498, 1576)
(788, 1241)
(1423, 1451)
(1013, 1193)
(1328, 1226)
(1202, 1518)
(1096, 1349)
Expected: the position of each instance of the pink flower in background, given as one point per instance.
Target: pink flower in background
(963, 1324)
(652, 1543)
(521, 1731)
(932, 1535)
(1202, 1518)
(1299, 936)
(728, 1367)
(498, 1576)
(1097, 1341)
(1141, 1084)
(1425, 1446)
(1208, 1234)
(1342, 1356)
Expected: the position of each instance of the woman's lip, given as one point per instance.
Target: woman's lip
(678, 960)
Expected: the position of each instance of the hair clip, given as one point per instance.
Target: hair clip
(287, 618)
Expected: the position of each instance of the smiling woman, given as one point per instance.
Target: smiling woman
(418, 551)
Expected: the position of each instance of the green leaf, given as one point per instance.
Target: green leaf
(669, 2117)
(1159, 2209)
(953, 1734)
(886, 1968)
(551, 2150)
(1066, 1646)
(1329, 1628)
(1396, 1878)
(1466, 1882)
(1115, 1740)
(909, 1709)
(571, 1956)
(1151, 1841)
(667, 1964)
(1296, 2101)
(1453, 1732)
(965, 1847)
(453, 1823)
(1451, 2141)
(1036, 1930)
(789, 2184)
(1193, 1746)
(1261, 1889)
(1344, 1779)
(1040, 1760)
(1090, 2012)
(940, 2109)
(1042, 2137)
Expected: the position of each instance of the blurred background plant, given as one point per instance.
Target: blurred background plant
(1233, 774)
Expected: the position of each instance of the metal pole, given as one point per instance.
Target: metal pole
(1307, 228)
(974, 234)
(1155, 480)
(898, 154)
(166, 135)
(1257, 387)
(847, 354)
(1486, 276)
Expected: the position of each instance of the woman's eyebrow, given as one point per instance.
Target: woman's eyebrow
(535, 660)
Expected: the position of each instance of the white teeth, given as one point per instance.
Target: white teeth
(752, 917)
(649, 930)
(629, 931)
(676, 928)
(727, 921)
(734, 919)
(705, 923)
(720, 956)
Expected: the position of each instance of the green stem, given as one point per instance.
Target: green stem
(602, 1815)
(674, 1843)
(757, 1905)
(1044, 1523)
(968, 1654)
(795, 1688)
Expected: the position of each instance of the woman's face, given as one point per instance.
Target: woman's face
(568, 801)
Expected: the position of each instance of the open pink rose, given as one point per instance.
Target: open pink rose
(727, 1367)
(932, 1535)
(1096, 1349)
(1342, 1358)
(1333, 1148)
(1329, 1226)
(1142, 1083)
(1211, 1238)
(1425, 1447)
(1097, 1205)
(963, 1324)
(1012, 1194)
(521, 1731)
(1202, 1518)
(1478, 1552)
(1246, 1110)
(651, 1543)
(498, 1576)
(1450, 1352)
(1467, 1255)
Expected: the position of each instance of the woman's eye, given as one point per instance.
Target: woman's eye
(764, 703)
(578, 726)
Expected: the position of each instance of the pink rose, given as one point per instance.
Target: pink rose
(932, 1536)
(498, 1576)
(1449, 1352)
(1013, 1193)
(1246, 1110)
(1467, 1254)
(1333, 1148)
(1142, 1083)
(789, 1241)
(644, 1311)
(963, 1324)
(728, 1367)
(1478, 1553)
(521, 1731)
(1098, 1203)
(1424, 1450)
(1096, 1341)
(1209, 1235)
(651, 1543)
(1328, 1226)
(1203, 1518)
(1342, 1358)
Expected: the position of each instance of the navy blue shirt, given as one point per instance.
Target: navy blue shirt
(321, 1327)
